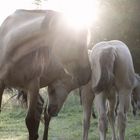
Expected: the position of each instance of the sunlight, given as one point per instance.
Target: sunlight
(8, 7)
(79, 12)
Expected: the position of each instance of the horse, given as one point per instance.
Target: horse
(39, 48)
(112, 74)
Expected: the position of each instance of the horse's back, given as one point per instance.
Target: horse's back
(30, 38)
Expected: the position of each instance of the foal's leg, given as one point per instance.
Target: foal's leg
(111, 113)
(100, 102)
(1, 93)
(87, 99)
(124, 101)
(32, 119)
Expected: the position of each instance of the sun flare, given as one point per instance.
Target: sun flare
(79, 12)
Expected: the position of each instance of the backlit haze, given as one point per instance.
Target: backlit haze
(79, 12)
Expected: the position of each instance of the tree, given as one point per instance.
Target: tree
(38, 3)
(120, 20)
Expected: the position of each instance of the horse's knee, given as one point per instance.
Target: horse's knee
(103, 123)
(111, 115)
(121, 121)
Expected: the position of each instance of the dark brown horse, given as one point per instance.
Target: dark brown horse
(38, 49)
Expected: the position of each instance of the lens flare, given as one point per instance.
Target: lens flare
(80, 13)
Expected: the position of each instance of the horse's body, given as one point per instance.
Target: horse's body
(37, 49)
(112, 73)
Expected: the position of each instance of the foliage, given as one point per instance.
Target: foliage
(38, 2)
(119, 19)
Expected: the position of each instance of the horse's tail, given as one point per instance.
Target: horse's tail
(106, 79)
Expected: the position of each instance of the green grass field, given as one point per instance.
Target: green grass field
(67, 126)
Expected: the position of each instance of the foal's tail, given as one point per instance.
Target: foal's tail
(106, 79)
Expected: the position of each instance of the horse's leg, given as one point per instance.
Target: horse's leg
(124, 102)
(1, 93)
(87, 99)
(111, 113)
(47, 119)
(100, 102)
(32, 118)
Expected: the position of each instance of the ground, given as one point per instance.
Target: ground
(67, 126)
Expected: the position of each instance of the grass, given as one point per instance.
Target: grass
(67, 126)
